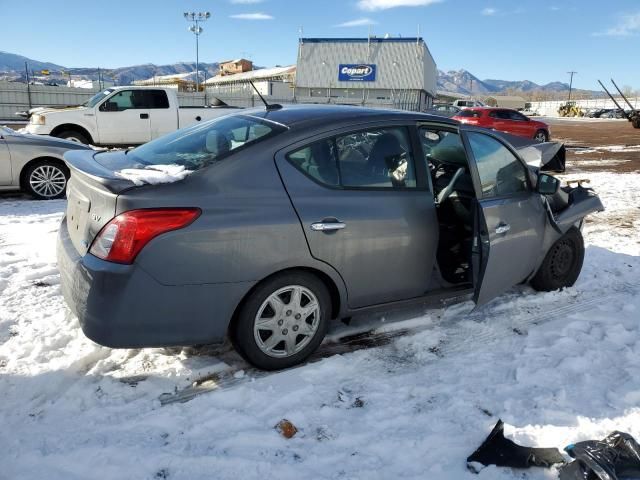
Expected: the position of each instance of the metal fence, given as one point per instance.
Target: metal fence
(17, 97)
(550, 108)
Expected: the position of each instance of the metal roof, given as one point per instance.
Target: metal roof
(261, 74)
(364, 40)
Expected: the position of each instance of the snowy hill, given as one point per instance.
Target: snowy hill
(11, 62)
(454, 81)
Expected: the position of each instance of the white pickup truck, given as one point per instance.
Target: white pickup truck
(121, 116)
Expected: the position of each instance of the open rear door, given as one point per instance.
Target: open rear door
(509, 220)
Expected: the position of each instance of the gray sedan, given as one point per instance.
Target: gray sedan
(34, 163)
(295, 216)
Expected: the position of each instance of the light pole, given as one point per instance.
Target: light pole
(195, 19)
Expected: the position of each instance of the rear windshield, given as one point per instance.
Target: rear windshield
(203, 144)
(470, 113)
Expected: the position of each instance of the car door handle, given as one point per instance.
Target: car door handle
(503, 228)
(144, 115)
(327, 226)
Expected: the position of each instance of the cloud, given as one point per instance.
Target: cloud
(373, 5)
(245, 2)
(252, 16)
(358, 22)
(627, 26)
(488, 12)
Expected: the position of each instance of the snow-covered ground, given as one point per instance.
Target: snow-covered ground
(557, 368)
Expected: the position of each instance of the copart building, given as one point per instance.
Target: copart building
(379, 72)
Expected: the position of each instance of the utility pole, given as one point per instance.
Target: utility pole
(571, 83)
(196, 29)
(26, 69)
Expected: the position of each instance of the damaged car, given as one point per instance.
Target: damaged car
(295, 216)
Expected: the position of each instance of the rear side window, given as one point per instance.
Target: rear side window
(516, 116)
(318, 161)
(379, 158)
(470, 113)
(500, 171)
(156, 99)
(501, 114)
(205, 143)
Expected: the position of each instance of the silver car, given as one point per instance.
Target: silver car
(295, 216)
(34, 163)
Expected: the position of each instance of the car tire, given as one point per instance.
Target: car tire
(73, 136)
(46, 180)
(264, 332)
(541, 136)
(562, 264)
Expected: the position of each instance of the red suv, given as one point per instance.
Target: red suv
(505, 120)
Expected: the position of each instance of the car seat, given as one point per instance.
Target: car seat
(385, 157)
(322, 164)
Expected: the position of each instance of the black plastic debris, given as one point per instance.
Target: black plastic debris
(616, 457)
(502, 452)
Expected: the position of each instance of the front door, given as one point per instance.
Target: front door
(510, 219)
(123, 119)
(364, 212)
(5, 162)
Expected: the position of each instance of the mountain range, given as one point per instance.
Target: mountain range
(464, 82)
(459, 82)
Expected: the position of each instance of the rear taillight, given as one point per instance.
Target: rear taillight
(124, 236)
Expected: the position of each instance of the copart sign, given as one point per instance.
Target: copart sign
(356, 73)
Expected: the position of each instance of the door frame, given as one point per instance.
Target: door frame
(423, 183)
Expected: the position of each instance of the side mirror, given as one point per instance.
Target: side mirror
(109, 107)
(547, 185)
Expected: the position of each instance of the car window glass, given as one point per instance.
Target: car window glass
(318, 161)
(469, 113)
(380, 158)
(122, 101)
(517, 116)
(156, 99)
(501, 173)
(202, 144)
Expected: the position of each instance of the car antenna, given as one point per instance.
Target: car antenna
(269, 107)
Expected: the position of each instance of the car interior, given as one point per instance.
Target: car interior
(454, 195)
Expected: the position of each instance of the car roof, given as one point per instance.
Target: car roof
(311, 115)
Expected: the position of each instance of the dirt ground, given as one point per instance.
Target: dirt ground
(589, 145)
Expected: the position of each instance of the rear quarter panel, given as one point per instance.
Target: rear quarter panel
(248, 229)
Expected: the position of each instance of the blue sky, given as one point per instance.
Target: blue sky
(537, 40)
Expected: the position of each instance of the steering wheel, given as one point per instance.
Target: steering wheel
(448, 190)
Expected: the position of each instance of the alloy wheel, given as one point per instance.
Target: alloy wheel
(287, 321)
(48, 181)
(541, 137)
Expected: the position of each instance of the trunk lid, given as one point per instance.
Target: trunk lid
(92, 192)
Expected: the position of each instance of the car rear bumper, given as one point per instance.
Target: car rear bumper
(122, 306)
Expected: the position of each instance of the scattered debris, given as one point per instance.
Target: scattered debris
(286, 428)
(617, 456)
(502, 452)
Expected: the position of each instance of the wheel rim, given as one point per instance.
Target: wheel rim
(287, 321)
(541, 137)
(562, 260)
(47, 181)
